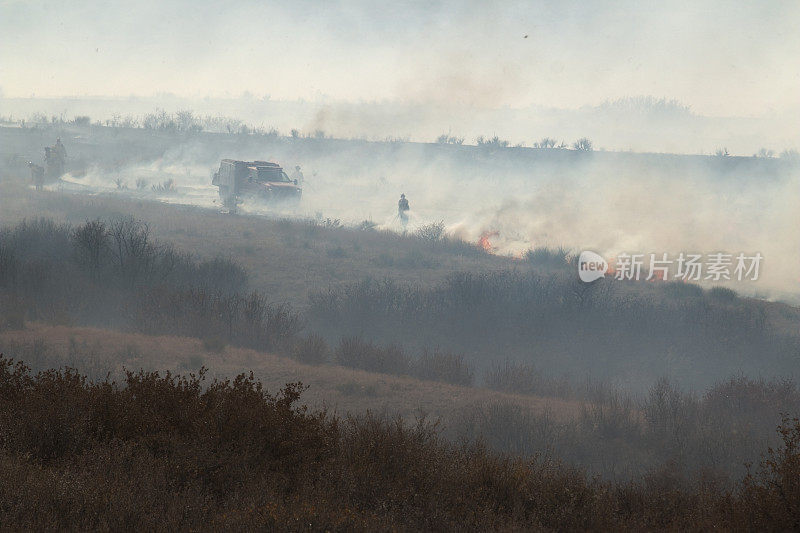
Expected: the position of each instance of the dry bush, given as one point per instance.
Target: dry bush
(509, 376)
(433, 232)
(608, 329)
(242, 320)
(94, 273)
(311, 350)
(443, 366)
(508, 427)
(680, 289)
(214, 345)
(772, 494)
(723, 294)
(355, 352)
(547, 257)
(436, 365)
(166, 451)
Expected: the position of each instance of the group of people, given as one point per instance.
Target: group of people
(55, 158)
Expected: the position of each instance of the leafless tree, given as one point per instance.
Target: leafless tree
(91, 242)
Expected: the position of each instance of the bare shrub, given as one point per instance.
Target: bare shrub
(443, 366)
(91, 242)
(446, 138)
(722, 294)
(510, 428)
(491, 143)
(771, 496)
(167, 186)
(132, 250)
(508, 376)
(549, 143)
(367, 225)
(95, 273)
(546, 257)
(433, 232)
(358, 353)
(311, 350)
(668, 412)
(214, 345)
(74, 451)
(603, 327)
(679, 289)
(248, 321)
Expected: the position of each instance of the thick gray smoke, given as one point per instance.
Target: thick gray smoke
(606, 202)
(521, 70)
(719, 78)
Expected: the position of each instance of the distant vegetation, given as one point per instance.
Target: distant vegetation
(115, 274)
(548, 142)
(583, 144)
(187, 122)
(647, 105)
(446, 138)
(624, 359)
(491, 142)
(559, 323)
(517, 332)
(618, 436)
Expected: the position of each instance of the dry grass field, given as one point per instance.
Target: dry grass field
(337, 388)
(287, 260)
(521, 410)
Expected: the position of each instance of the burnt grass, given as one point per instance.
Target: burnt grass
(165, 452)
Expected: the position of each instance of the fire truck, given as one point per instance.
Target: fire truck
(261, 180)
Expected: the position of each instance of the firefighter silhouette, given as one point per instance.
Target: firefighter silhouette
(37, 175)
(55, 158)
(402, 209)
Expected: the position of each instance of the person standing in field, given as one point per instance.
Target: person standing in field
(37, 175)
(402, 209)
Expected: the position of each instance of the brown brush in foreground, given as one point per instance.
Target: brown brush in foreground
(165, 452)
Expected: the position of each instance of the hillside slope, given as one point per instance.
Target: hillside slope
(345, 390)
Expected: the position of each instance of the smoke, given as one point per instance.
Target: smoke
(721, 61)
(518, 70)
(606, 202)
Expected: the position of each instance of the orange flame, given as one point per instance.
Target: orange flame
(484, 242)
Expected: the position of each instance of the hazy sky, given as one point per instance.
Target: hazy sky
(720, 57)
